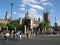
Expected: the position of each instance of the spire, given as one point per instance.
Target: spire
(27, 15)
(6, 16)
(46, 12)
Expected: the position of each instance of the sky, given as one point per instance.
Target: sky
(34, 7)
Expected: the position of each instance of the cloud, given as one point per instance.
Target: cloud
(21, 15)
(47, 3)
(22, 8)
(29, 1)
(58, 22)
(22, 5)
(14, 12)
(32, 9)
(36, 6)
(42, 1)
(33, 4)
(34, 14)
(50, 4)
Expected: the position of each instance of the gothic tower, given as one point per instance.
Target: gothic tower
(46, 17)
(27, 15)
(6, 16)
(20, 21)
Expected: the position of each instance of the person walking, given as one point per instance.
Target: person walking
(20, 35)
(7, 35)
(17, 35)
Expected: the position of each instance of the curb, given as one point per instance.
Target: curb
(52, 35)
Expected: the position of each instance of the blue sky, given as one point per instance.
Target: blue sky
(35, 8)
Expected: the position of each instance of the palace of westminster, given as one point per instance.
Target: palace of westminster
(30, 23)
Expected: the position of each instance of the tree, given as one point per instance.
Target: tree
(10, 26)
(43, 25)
(2, 24)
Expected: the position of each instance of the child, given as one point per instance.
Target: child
(20, 36)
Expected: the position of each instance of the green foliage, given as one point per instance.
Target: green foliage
(2, 24)
(43, 25)
(12, 26)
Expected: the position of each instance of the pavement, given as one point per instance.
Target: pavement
(35, 40)
(50, 35)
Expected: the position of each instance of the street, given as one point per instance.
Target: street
(36, 40)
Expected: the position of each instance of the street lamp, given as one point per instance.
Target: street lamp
(11, 11)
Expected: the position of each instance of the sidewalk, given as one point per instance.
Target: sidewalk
(52, 35)
(42, 35)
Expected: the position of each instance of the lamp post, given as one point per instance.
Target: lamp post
(11, 11)
(55, 24)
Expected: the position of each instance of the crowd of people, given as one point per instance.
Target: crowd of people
(17, 34)
(11, 34)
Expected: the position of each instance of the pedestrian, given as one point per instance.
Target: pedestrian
(17, 35)
(27, 34)
(12, 33)
(20, 36)
(7, 35)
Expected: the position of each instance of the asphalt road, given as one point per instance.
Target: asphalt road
(37, 40)
(31, 42)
